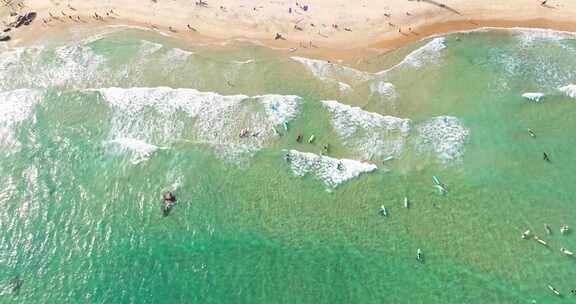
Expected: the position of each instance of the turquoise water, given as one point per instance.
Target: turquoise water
(93, 131)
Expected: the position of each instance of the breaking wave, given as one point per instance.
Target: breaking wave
(162, 115)
(569, 90)
(444, 135)
(533, 96)
(368, 134)
(332, 171)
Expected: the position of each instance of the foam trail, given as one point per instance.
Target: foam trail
(445, 135)
(174, 58)
(140, 150)
(368, 134)
(569, 90)
(162, 115)
(324, 69)
(332, 171)
(533, 96)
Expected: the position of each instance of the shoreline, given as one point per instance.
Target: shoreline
(339, 46)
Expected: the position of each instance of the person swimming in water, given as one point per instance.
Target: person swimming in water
(299, 138)
(168, 203)
(326, 149)
(16, 283)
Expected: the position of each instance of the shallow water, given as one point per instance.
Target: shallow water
(93, 131)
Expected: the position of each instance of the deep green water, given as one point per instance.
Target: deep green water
(83, 164)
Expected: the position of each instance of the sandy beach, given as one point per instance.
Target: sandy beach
(325, 26)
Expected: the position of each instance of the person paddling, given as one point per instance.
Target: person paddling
(546, 157)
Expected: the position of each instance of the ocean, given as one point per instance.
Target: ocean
(94, 129)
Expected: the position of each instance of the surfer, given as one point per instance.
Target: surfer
(287, 157)
(564, 229)
(546, 157)
(419, 256)
(531, 133)
(554, 290)
(299, 138)
(566, 251)
(383, 211)
(340, 166)
(539, 240)
(168, 203)
(243, 132)
(526, 234)
(326, 148)
(547, 228)
(16, 283)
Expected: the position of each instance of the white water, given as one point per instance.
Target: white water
(533, 96)
(326, 168)
(140, 151)
(417, 58)
(163, 115)
(382, 88)
(569, 90)
(325, 69)
(368, 134)
(15, 107)
(445, 136)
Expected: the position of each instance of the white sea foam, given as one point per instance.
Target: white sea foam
(530, 35)
(243, 62)
(417, 58)
(533, 96)
(140, 28)
(332, 171)
(174, 58)
(382, 88)
(162, 115)
(15, 107)
(140, 150)
(444, 135)
(344, 87)
(179, 53)
(27, 67)
(327, 71)
(148, 48)
(324, 69)
(368, 134)
(569, 90)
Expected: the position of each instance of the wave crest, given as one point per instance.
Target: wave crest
(332, 171)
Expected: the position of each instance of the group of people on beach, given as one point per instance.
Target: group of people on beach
(111, 14)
